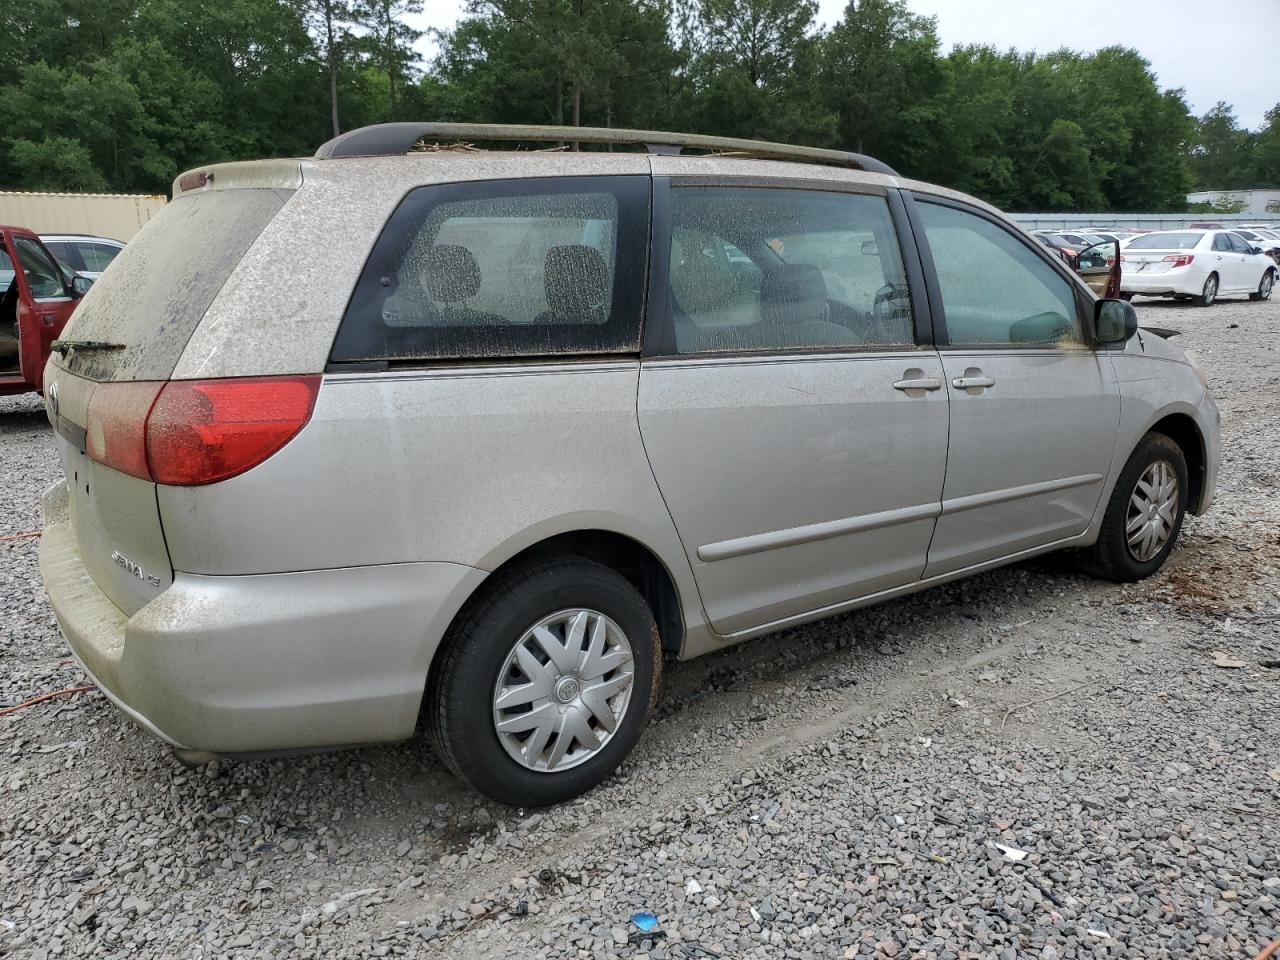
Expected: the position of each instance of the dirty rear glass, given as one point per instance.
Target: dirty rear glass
(1166, 241)
(159, 287)
(509, 268)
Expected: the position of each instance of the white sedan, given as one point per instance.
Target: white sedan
(1195, 265)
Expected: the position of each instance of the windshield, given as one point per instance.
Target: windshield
(1166, 241)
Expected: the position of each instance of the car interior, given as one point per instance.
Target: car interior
(9, 362)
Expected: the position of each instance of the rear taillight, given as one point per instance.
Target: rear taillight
(1178, 260)
(115, 432)
(190, 432)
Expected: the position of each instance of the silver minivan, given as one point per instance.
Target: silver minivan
(486, 437)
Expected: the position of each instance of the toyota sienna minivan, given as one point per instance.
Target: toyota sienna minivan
(486, 437)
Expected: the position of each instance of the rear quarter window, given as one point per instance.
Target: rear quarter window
(510, 268)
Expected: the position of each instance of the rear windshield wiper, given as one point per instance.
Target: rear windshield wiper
(63, 346)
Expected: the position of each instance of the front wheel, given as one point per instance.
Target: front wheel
(1144, 514)
(1209, 293)
(545, 682)
(1264, 286)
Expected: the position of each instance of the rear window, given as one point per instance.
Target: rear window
(505, 268)
(161, 284)
(1166, 241)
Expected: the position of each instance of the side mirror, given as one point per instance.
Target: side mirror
(80, 284)
(1255, 250)
(870, 248)
(1114, 321)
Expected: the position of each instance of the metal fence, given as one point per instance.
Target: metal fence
(1151, 221)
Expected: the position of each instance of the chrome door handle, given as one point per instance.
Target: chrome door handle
(920, 383)
(966, 383)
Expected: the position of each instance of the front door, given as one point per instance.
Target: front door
(795, 429)
(1034, 408)
(44, 304)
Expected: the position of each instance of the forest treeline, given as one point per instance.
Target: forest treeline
(123, 94)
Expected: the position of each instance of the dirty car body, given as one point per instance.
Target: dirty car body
(543, 420)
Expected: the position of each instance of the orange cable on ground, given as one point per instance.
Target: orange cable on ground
(44, 696)
(1270, 950)
(22, 536)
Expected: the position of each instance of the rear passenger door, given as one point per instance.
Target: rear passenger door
(796, 429)
(1034, 407)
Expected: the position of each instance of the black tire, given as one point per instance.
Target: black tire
(1265, 286)
(1126, 296)
(1209, 294)
(1110, 557)
(460, 690)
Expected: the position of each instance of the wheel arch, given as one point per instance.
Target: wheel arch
(620, 552)
(1182, 429)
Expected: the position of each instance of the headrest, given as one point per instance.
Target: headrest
(793, 293)
(576, 281)
(452, 273)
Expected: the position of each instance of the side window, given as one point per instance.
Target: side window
(1239, 244)
(96, 256)
(995, 289)
(64, 252)
(504, 268)
(1221, 243)
(43, 276)
(771, 269)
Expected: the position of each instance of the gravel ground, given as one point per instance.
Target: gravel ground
(878, 785)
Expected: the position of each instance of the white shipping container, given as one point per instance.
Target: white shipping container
(115, 215)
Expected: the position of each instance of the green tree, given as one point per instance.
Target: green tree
(1219, 156)
(881, 71)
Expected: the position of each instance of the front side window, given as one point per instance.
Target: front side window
(995, 289)
(1239, 244)
(754, 269)
(504, 269)
(43, 276)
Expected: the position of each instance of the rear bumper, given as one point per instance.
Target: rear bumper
(263, 663)
(1161, 284)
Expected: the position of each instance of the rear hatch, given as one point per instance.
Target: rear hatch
(121, 345)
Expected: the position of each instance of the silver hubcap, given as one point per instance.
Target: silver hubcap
(1153, 505)
(1265, 290)
(563, 690)
(1210, 289)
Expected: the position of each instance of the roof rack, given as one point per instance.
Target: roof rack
(390, 139)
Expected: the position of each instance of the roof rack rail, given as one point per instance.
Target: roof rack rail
(390, 139)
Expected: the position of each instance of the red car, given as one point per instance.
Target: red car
(35, 303)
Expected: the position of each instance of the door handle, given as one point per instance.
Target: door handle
(919, 383)
(972, 380)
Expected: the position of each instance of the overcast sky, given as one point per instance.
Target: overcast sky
(1214, 51)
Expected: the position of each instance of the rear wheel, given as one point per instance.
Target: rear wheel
(545, 682)
(1126, 296)
(1264, 286)
(1209, 293)
(1145, 513)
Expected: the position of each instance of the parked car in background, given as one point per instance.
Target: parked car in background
(1199, 265)
(85, 254)
(487, 437)
(37, 296)
(1205, 225)
(1067, 244)
(1263, 240)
